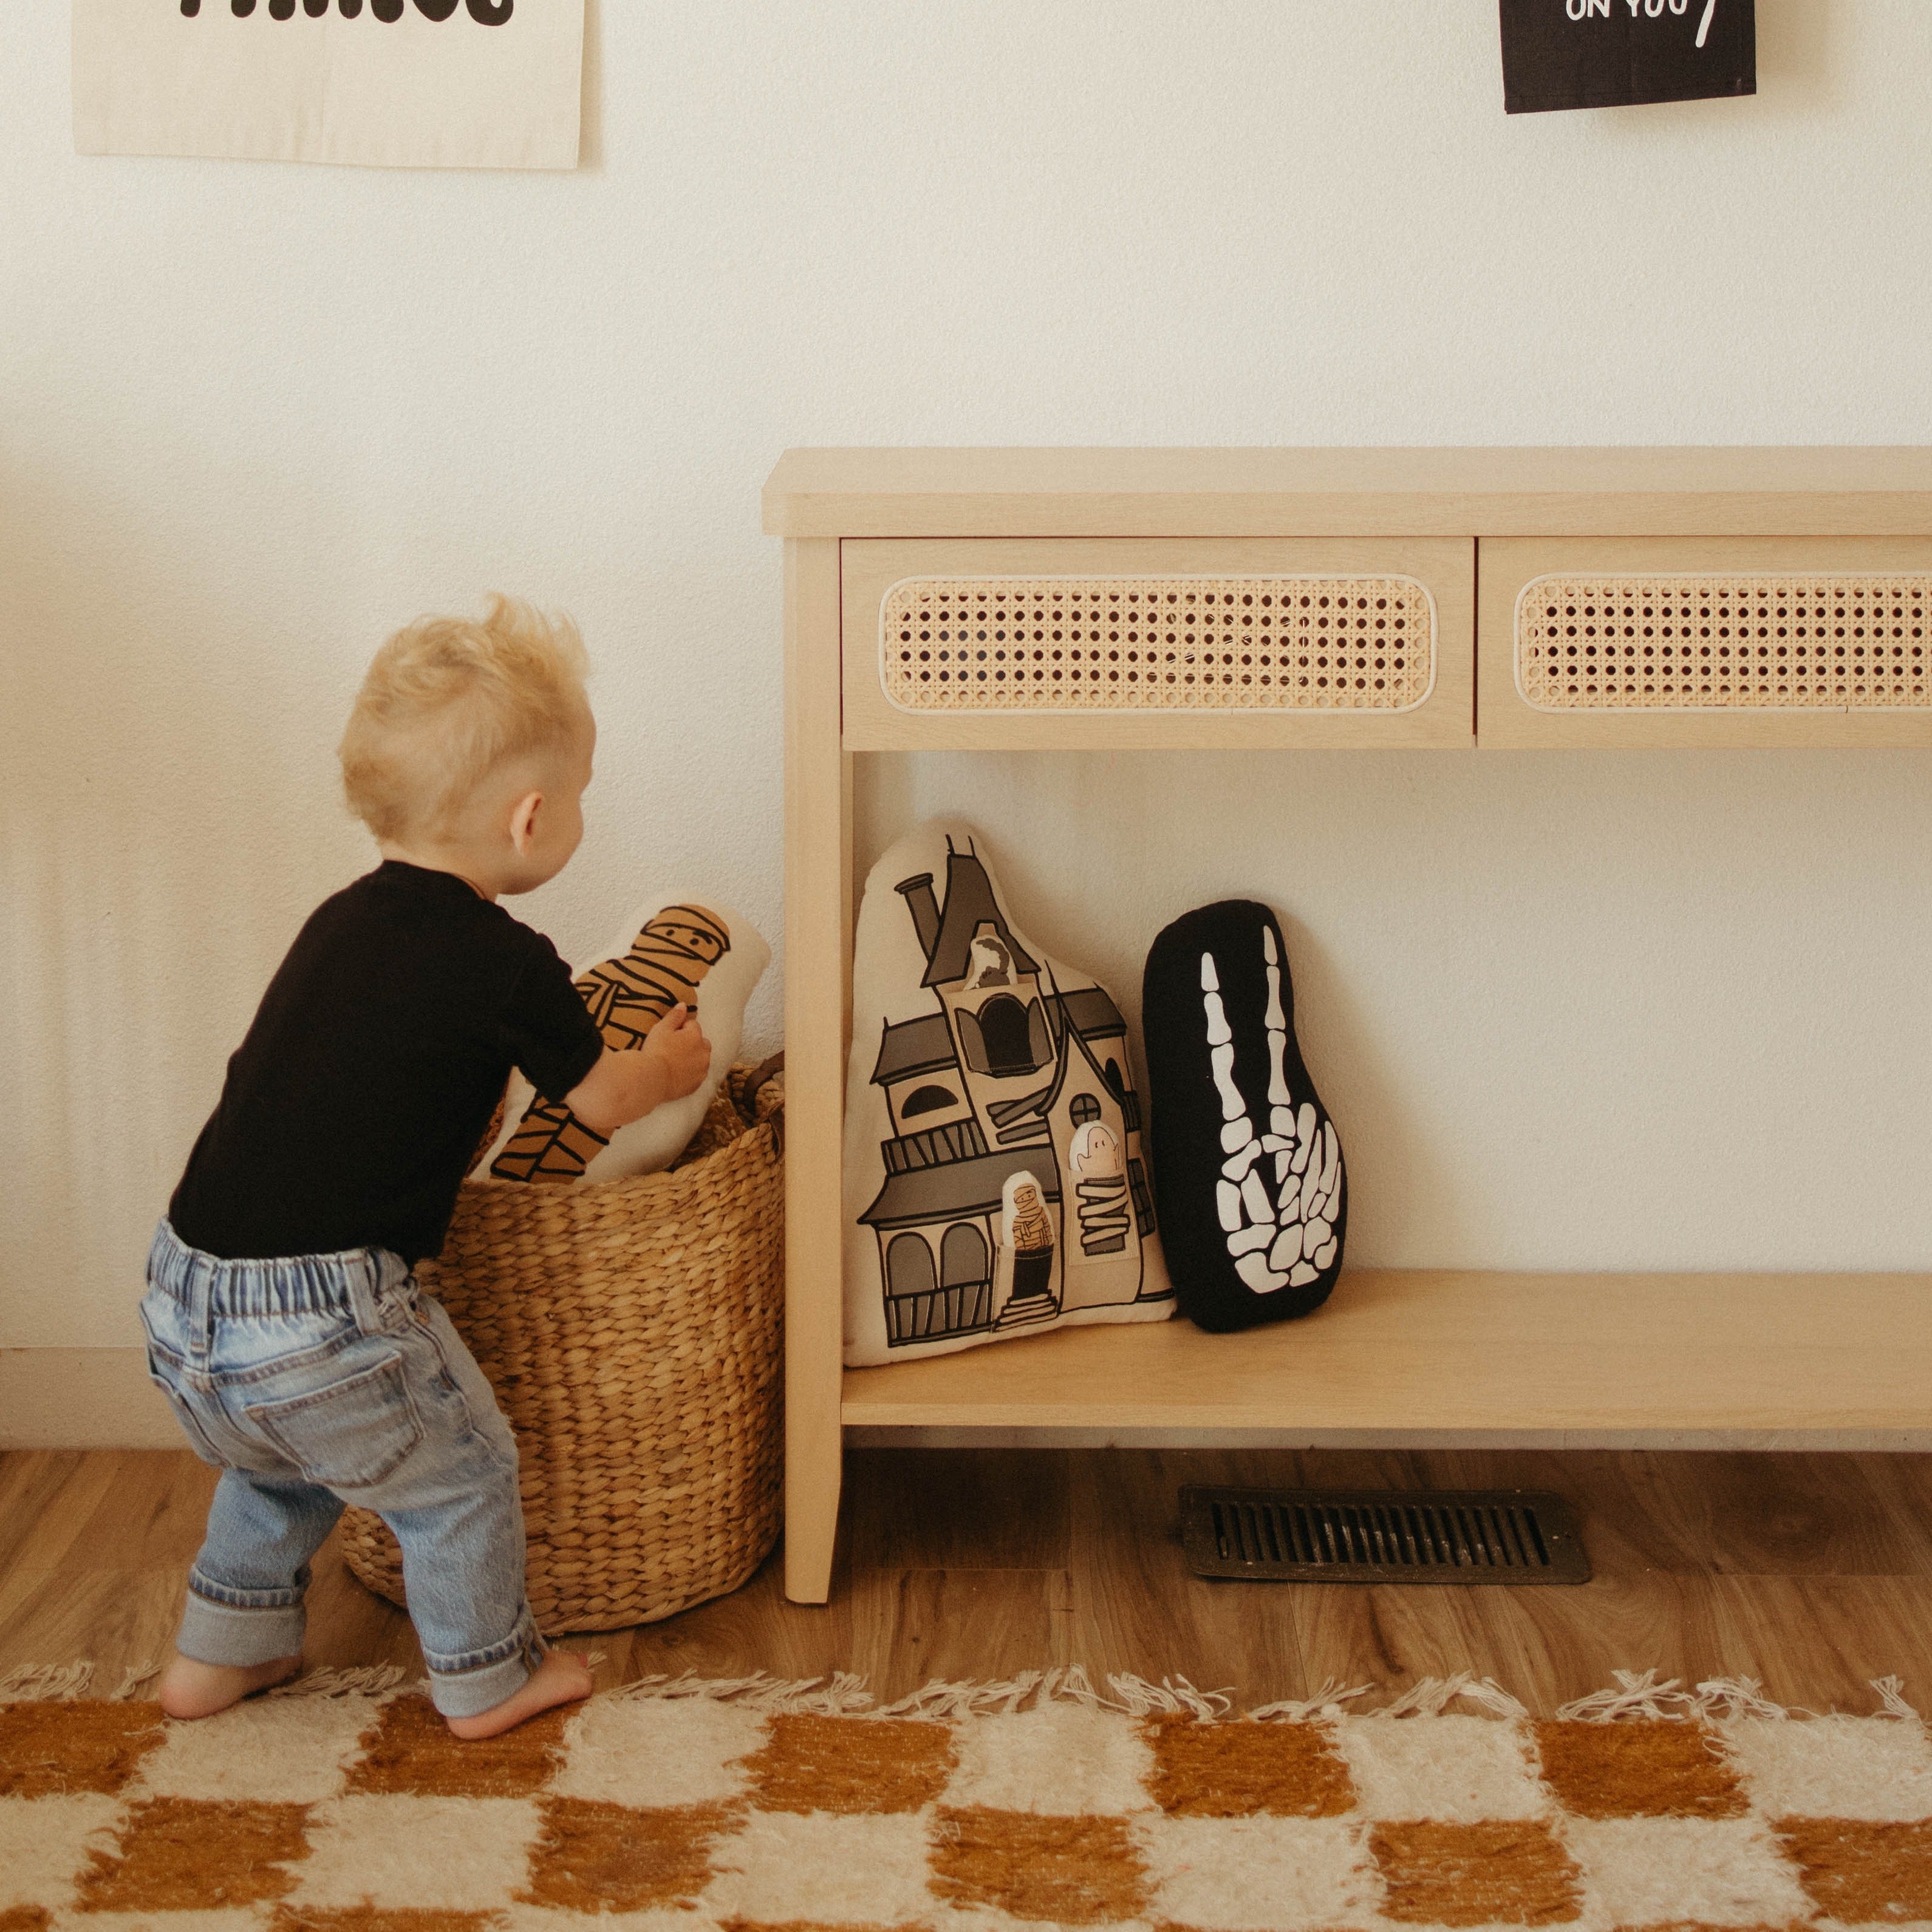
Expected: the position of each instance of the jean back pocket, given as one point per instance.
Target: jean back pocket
(351, 1434)
(192, 1426)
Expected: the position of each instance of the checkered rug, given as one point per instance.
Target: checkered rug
(1044, 1801)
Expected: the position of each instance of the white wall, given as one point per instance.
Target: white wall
(1643, 1010)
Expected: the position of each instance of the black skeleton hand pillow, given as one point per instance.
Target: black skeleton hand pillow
(1248, 1174)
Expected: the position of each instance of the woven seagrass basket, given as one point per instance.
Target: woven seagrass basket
(632, 1330)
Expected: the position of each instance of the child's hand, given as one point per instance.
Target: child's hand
(682, 1051)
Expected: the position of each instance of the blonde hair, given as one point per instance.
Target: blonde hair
(446, 701)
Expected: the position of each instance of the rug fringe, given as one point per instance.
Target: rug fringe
(1172, 1696)
(45, 1683)
(939, 1699)
(132, 1679)
(1326, 1702)
(364, 1680)
(1646, 1695)
(1891, 1697)
(1431, 1695)
(1736, 1697)
(843, 1694)
(1634, 1696)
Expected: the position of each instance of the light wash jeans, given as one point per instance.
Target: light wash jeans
(318, 1380)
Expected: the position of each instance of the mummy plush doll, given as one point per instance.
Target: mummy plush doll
(1248, 1175)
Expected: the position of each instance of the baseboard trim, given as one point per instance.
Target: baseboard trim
(83, 1399)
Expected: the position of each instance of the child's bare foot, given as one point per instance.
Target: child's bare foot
(189, 1689)
(562, 1677)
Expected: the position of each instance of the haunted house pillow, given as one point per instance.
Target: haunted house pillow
(703, 955)
(1252, 1195)
(996, 1183)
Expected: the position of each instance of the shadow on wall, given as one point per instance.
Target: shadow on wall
(1796, 76)
(1401, 1188)
(590, 114)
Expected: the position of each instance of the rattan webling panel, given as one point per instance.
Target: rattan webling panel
(1744, 641)
(1157, 643)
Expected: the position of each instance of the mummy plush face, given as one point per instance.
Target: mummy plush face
(1248, 1169)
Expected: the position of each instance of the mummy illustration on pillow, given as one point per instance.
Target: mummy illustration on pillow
(1252, 1189)
(995, 1181)
(671, 952)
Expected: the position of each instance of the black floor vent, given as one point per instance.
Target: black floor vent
(1384, 1536)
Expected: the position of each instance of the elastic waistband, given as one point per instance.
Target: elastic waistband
(280, 1285)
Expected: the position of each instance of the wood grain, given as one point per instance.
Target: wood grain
(1428, 1357)
(1811, 1573)
(1233, 493)
(818, 866)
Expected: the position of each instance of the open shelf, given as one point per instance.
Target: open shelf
(1435, 1357)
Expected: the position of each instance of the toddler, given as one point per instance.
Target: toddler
(284, 1322)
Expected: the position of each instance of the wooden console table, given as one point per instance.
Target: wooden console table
(1468, 599)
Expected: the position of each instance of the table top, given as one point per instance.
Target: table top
(1818, 490)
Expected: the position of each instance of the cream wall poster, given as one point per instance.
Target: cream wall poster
(391, 83)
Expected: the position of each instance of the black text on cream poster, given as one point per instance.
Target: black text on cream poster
(385, 83)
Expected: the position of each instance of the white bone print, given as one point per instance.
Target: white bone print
(1287, 1240)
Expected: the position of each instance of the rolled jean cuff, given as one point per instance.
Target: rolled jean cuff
(212, 1633)
(468, 1694)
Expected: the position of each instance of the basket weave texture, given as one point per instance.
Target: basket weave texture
(1168, 643)
(1749, 642)
(632, 1330)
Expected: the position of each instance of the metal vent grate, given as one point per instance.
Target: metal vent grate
(1746, 642)
(1168, 643)
(1384, 1536)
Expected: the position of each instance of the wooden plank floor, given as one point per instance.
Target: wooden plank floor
(1813, 1573)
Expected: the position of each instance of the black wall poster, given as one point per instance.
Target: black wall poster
(1616, 53)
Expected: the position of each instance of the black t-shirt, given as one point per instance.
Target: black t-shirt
(353, 1109)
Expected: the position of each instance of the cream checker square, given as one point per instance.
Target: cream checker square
(869, 1870)
(1461, 1770)
(1257, 1874)
(1711, 1871)
(1833, 1767)
(450, 1854)
(274, 1751)
(649, 1753)
(44, 1845)
(1062, 1759)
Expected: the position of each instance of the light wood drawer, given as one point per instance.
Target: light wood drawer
(1110, 643)
(1717, 641)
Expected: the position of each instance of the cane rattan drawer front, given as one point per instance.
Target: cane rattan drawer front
(1763, 641)
(1043, 643)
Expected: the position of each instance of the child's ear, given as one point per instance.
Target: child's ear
(524, 820)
